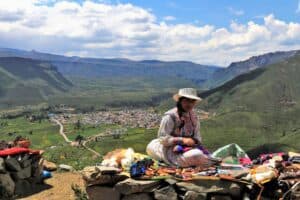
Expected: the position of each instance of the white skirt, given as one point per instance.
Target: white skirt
(193, 157)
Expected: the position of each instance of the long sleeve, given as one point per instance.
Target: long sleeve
(165, 130)
(197, 135)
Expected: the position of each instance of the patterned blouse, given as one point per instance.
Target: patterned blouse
(171, 134)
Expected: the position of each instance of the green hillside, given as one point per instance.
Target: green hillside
(119, 91)
(258, 110)
(26, 81)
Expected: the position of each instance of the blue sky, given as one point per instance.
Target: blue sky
(215, 32)
(219, 12)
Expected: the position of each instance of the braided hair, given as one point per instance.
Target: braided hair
(180, 110)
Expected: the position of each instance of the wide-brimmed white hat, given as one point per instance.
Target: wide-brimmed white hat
(189, 93)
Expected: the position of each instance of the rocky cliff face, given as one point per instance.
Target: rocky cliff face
(237, 68)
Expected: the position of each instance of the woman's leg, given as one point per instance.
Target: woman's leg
(155, 150)
(193, 157)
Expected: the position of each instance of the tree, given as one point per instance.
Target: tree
(77, 125)
(79, 138)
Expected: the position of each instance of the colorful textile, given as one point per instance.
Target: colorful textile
(232, 154)
(182, 149)
(263, 174)
(264, 158)
(16, 150)
(170, 132)
(139, 168)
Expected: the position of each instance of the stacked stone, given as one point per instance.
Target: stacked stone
(106, 183)
(18, 174)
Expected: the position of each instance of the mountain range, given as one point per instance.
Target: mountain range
(95, 67)
(74, 77)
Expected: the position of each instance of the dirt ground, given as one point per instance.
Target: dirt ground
(58, 187)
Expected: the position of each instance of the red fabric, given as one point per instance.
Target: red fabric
(17, 150)
(245, 161)
(34, 151)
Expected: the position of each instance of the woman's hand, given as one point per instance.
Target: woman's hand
(188, 141)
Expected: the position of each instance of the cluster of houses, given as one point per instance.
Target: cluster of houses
(135, 118)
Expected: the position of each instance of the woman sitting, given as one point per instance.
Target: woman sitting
(179, 141)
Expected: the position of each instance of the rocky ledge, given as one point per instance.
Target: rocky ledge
(107, 183)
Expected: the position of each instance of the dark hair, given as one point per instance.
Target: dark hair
(179, 106)
(180, 109)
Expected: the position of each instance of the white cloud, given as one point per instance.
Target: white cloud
(235, 11)
(97, 29)
(169, 18)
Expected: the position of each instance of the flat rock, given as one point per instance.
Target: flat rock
(130, 186)
(210, 186)
(165, 193)
(94, 176)
(25, 161)
(108, 170)
(138, 196)
(235, 190)
(102, 193)
(189, 186)
(12, 164)
(171, 181)
(23, 187)
(35, 180)
(37, 168)
(191, 195)
(65, 167)
(22, 174)
(49, 166)
(220, 197)
(2, 166)
(7, 185)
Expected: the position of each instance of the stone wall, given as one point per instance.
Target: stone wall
(18, 174)
(103, 183)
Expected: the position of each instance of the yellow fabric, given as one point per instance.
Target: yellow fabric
(292, 154)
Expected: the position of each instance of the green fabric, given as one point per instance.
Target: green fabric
(230, 153)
